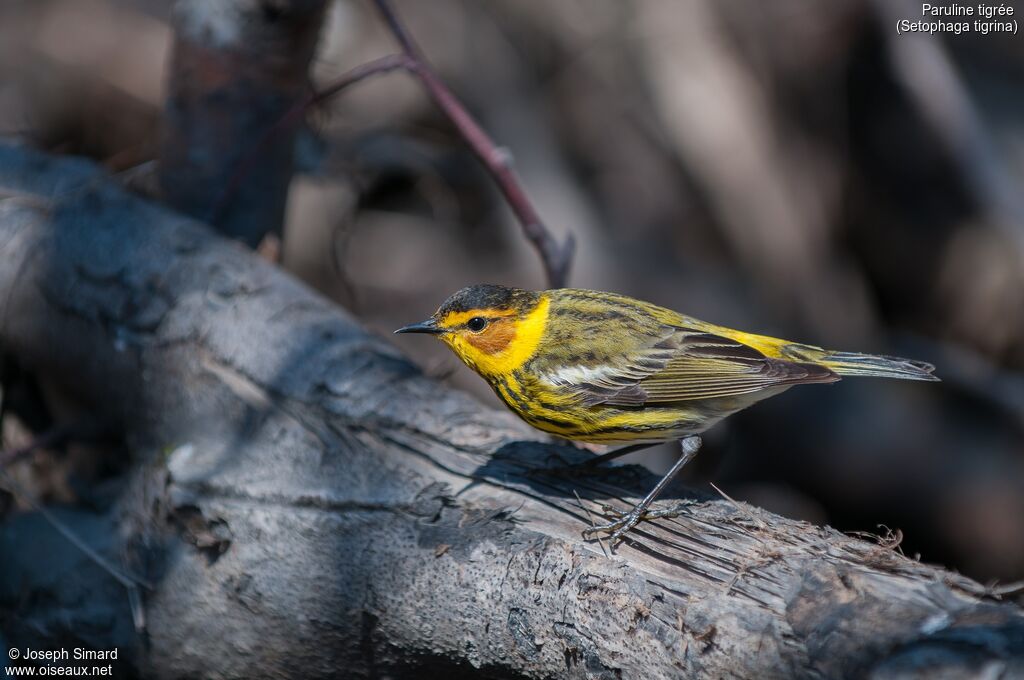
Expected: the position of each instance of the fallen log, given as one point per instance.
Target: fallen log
(305, 503)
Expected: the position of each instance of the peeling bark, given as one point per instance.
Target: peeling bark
(307, 504)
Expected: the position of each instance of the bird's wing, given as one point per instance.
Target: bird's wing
(684, 364)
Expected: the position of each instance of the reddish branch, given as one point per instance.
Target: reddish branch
(556, 257)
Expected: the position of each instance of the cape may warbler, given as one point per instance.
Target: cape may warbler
(601, 367)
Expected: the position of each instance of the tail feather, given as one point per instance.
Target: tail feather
(851, 363)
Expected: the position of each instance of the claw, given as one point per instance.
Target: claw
(618, 527)
(624, 521)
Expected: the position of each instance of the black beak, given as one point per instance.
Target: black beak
(428, 326)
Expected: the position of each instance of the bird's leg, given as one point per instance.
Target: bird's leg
(671, 511)
(618, 528)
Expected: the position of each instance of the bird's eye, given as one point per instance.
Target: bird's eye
(476, 324)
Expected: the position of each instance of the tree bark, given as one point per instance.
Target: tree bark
(237, 67)
(307, 504)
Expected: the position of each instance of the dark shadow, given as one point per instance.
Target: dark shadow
(557, 473)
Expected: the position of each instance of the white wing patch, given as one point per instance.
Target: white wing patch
(601, 384)
(568, 376)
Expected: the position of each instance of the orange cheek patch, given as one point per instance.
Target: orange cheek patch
(495, 338)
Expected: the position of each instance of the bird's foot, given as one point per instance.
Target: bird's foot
(617, 528)
(624, 521)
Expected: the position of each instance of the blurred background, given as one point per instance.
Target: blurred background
(793, 168)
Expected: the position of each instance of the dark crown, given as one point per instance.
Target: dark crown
(488, 296)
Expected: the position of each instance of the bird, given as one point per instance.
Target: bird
(603, 368)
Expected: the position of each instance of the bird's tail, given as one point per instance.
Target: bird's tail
(851, 363)
(840, 363)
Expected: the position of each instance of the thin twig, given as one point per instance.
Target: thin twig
(557, 258)
(746, 511)
(296, 114)
(130, 582)
(53, 437)
(125, 579)
(1006, 589)
(590, 518)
